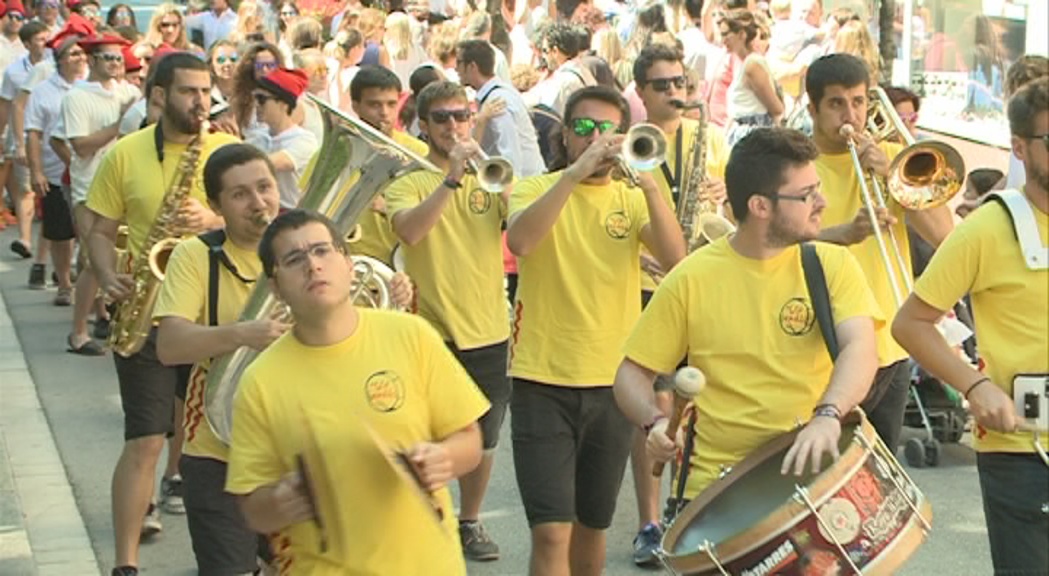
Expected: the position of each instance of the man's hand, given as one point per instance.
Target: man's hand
(258, 334)
(872, 158)
(40, 184)
(117, 287)
(379, 204)
(657, 445)
(461, 153)
(401, 291)
(432, 463)
(714, 191)
(490, 109)
(819, 437)
(860, 227)
(19, 156)
(600, 152)
(193, 216)
(290, 502)
(226, 123)
(992, 408)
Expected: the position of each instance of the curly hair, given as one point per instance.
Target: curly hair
(244, 80)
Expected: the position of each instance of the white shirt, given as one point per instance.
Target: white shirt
(86, 109)
(700, 55)
(299, 144)
(10, 50)
(555, 90)
(214, 27)
(741, 100)
(42, 112)
(132, 120)
(511, 134)
(1017, 175)
(15, 76)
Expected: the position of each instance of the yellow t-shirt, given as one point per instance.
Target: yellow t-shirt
(842, 190)
(458, 266)
(578, 292)
(130, 183)
(1010, 303)
(750, 327)
(717, 158)
(184, 294)
(394, 375)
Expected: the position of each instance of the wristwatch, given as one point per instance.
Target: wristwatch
(827, 410)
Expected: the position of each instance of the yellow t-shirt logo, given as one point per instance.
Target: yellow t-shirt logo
(480, 201)
(617, 225)
(796, 317)
(385, 391)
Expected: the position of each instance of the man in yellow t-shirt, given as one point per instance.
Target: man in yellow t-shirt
(837, 87)
(740, 309)
(1010, 302)
(375, 92)
(451, 233)
(578, 235)
(129, 186)
(320, 412)
(659, 77)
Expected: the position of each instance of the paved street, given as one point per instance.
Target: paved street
(80, 399)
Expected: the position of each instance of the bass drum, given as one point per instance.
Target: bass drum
(863, 515)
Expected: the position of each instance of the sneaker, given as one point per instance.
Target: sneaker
(477, 544)
(37, 277)
(646, 543)
(151, 525)
(64, 297)
(124, 571)
(171, 495)
(102, 329)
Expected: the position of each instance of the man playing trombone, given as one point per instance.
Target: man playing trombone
(578, 236)
(838, 87)
(450, 227)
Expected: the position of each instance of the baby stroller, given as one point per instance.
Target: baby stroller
(939, 410)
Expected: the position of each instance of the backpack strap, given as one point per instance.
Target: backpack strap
(816, 282)
(1025, 227)
(216, 255)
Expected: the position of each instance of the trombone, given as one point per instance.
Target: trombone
(644, 148)
(923, 175)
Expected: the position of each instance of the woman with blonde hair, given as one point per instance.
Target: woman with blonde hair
(372, 24)
(405, 55)
(854, 38)
(222, 60)
(752, 98)
(607, 45)
(169, 27)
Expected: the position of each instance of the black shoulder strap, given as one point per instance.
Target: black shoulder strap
(487, 96)
(214, 241)
(816, 282)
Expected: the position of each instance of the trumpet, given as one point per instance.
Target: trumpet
(494, 173)
(644, 148)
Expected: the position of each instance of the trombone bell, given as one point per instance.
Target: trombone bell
(925, 175)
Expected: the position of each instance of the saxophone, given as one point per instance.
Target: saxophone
(701, 221)
(134, 316)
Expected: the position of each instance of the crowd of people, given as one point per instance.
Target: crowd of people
(219, 109)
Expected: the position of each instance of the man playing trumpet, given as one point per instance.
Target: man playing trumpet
(741, 311)
(450, 229)
(578, 236)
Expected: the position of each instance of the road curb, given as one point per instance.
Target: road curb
(51, 537)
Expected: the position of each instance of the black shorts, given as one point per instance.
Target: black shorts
(222, 541)
(147, 391)
(58, 218)
(570, 451)
(487, 366)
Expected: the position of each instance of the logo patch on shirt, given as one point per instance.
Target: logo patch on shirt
(617, 225)
(796, 317)
(385, 391)
(480, 202)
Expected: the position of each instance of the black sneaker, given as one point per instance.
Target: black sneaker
(102, 329)
(38, 277)
(646, 543)
(171, 495)
(477, 544)
(125, 571)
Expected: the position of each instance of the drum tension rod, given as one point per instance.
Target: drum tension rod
(802, 493)
(707, 547)
(881, 451)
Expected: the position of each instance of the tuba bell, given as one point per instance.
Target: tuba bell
(354, 163)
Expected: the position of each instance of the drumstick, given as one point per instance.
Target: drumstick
(688, 381)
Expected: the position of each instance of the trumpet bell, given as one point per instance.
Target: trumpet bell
(494, 174)
(644, 148)
(925, 175)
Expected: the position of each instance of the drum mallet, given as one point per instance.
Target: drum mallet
(688, 382)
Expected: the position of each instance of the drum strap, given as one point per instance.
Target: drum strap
(816, 282)
(1036, 256)
(216, 255)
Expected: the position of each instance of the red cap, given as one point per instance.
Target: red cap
(286, 84)
(131, 62)
(76, 28)
(89, 44)
(15, 6)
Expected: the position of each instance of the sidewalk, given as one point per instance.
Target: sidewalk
(41, 530)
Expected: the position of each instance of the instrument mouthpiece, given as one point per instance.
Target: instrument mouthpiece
(680, 105)
(689, 381)
(847, 130)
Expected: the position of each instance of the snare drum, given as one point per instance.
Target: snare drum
(863, 515)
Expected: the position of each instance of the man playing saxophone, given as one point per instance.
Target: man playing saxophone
(838, 87)
(132, 181)
(659, 75)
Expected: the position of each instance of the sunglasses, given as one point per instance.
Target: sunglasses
(16, 17)
(663, 84)
(909, 117)
(53, 5)
(585, 126)
(265, 66)
(261, 99)
(443, 116)
(222, 59)
(166, 25)
(110, 57)
(289, 14)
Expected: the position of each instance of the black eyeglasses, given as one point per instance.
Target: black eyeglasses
(1043, 137)
(443, 116)
(301, 258)
(585, 126)
(663, 84)
(810, 193)
(261, 99)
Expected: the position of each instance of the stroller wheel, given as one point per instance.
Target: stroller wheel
(932, 453)
(914, 453)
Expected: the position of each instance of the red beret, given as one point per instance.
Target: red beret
(131, 62)
(285, 83)
(93, 42)
(76, 27)
(15, 6)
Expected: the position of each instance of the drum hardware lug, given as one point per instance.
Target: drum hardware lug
(803, 494)
(724, 471)
(707, 547)
(886, 459)
(1045, 508)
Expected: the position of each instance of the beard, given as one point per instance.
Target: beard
(1040, 176)
(185, 122)
(782, 233)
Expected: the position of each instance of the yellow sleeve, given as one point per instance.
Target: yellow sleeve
(253, 457)
(184, 290)
(528, 190)
(717, 152)
(105, 195)
(639, 207)
(659, 340)
(850, 294)
(952, 271)
(401, 194)
(454, 399)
